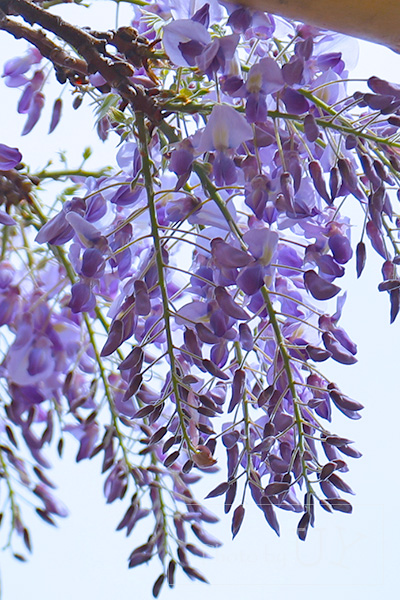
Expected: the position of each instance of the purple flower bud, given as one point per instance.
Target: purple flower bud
(219, 354)
(269, 513)
(257, 195)
(8, 308)
(369, 170)
(319, 288)
(133, 360)
(219, 490)
(202, 15)
(103, 127)
(246, 337)
(378, 101)
(226, 255)
(25, 100)
(181, 160)
(52, 505)
(311, 129)
(340, 504)
(360, 258)
(240, 19)
(342, 402)
(339, 352)
(251, 278)
(317, 354)
(5, 219)
(376, 238)
(295, 102)
(92, 263)
(277, 487)
(82, 298)
(205, 537)
(351, 142)
(287, 188)
(214, 370)
(335, 480)
(205, 334)
(349, 177)
(229, 306)
(341, 248)
(114, 339)
(304, 48)
(238, 388)
(133, 387)
(55, 115)
(394, 304)
(39, 357)
(142, 299)
(318, 179)
(302, 526)
(292, 71)
(35, 109)
(334, 182)
(380, 86)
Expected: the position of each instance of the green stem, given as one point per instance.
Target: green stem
(291, 384)
(344, 126)
(11, 494)
(63, 173)
(146, 170)
(111, 404)
(246, 420)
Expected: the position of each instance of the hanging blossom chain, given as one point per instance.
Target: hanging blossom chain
(175, 311)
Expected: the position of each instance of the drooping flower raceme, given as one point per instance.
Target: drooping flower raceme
(172, 312)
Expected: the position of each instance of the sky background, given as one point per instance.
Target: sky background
(345, 555)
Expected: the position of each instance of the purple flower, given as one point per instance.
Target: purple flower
(183, 40)
(15, 68)
(27, 98)
(226, 129)
(217, 55)
(181, 161)
(9, 157)
(265, 77)
(55, 115)
(34, 112)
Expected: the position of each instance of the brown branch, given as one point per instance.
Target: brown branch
(46, 47)
(114, 70)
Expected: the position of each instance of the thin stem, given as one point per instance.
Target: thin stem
(146, 170)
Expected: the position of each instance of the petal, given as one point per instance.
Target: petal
(319, 287)
(226, 128)
(9, 157)
(183, 31)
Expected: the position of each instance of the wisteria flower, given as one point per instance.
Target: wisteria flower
(184, 40)
(9, 157)
(226, 129)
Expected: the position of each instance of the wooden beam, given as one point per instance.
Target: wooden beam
(374, 20)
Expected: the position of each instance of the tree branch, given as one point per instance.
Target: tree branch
(92, 49)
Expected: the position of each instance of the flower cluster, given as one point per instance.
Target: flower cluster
(189, 292)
